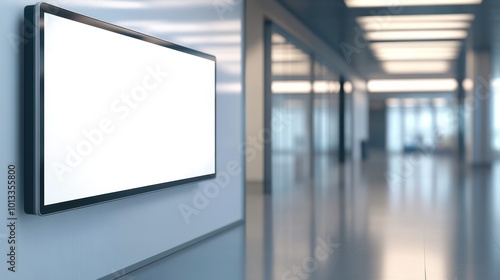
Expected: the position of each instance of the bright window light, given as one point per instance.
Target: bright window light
(415, 35)
(373, 26)
(416, 67)
(385, 3)
(413, 85)
(291, 87)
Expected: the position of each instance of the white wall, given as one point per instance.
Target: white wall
(257, 12)
(92, 242)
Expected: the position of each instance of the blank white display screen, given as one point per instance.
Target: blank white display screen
(121, 113)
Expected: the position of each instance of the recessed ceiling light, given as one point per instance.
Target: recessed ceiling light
(468, 84)
(416, 67)
(348, 87)
(324, 87)
(335, 86)
(321, 87)
(433, 50)
(413, 85)
(417, 50)
(431, 44)
(416, 56)
(374, 26)
(387, 19)
(385, 3)
(291, 87)
(415, 35)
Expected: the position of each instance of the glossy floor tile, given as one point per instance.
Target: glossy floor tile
(390, 218)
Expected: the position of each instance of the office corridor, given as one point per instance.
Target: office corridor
(433, 220)
(412, 217)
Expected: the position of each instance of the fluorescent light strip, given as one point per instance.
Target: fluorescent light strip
(416, 56)
(416, 67)
(335, 87)
(468, 84)
(373, 26)
(416, 53)
(324, 87)
(413, 85)
(388, 19)
(397, 3)
(291, 87)
(417, 50)
(415, 35)
(432, 44)
(348, 87)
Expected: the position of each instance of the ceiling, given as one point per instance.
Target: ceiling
(400, 42)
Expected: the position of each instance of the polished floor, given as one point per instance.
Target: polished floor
(390, 218)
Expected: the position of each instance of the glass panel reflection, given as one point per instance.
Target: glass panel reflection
(325, 121)
(304, 114)
(420, 124)
(291, 92)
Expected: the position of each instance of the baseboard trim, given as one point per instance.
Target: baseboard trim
(169, 252)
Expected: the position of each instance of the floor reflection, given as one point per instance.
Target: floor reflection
(394, 217)
(397, 217)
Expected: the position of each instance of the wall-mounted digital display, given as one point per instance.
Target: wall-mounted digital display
(111, 112)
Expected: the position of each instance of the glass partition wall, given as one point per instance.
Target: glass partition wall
(301, 112)
(326, 87)
(421, 124)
